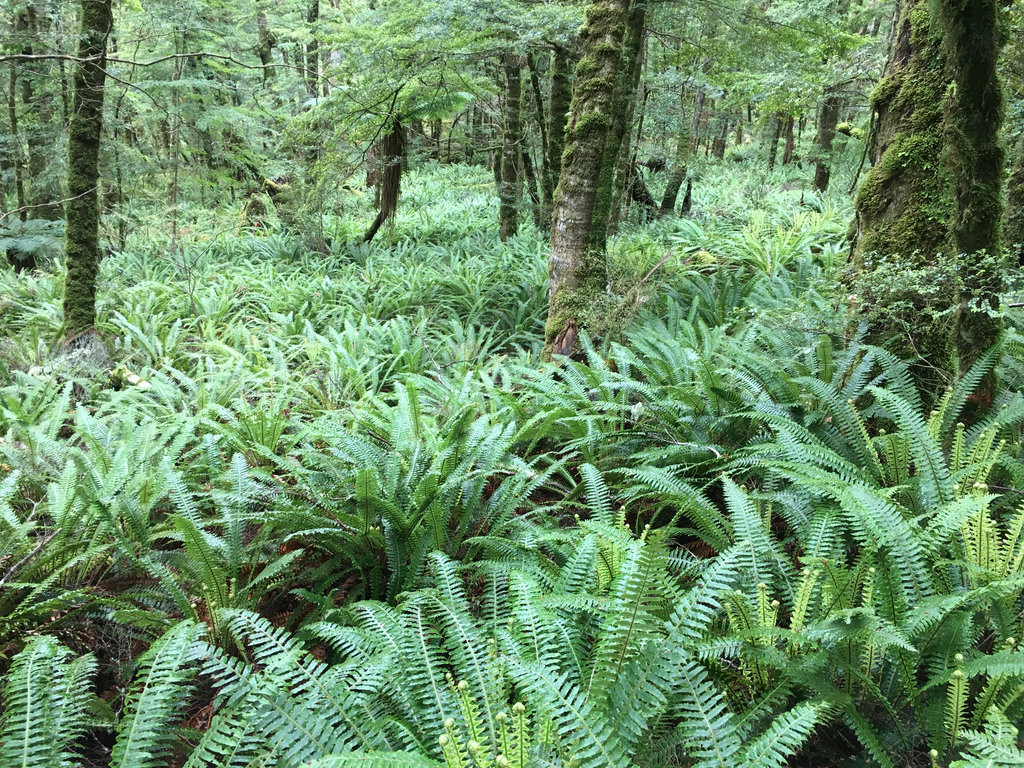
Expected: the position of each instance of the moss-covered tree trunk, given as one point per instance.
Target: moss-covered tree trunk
(974, 115)
(825, 138)
(82, 249)
(510, 188)
(905, 204)
(265, 46)
(931, 204)
(614, 170)
(577, 268)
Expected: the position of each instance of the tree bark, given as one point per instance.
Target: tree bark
(627, 80)
(825, 138)
(389, 152)
(773, 144)
(577, 269)
(265, 46)
(558, 111)
(509, 191)
(547, 184)
(82, 250)
(679, 163)
(931, 202)
(718, 147)
(313, 50)
(788, 151)
(974, 117)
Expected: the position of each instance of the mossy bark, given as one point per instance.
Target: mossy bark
(614, 166)
(558, 111)
(510, 189)
(265, 46)
(82, 250)
(578, 269)
(974, 116)
(933, 196)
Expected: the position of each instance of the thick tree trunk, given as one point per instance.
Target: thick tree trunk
(974, 116)
(906, 205)
(577, 269)
(82, 246)
(825, 138)
(509, 191)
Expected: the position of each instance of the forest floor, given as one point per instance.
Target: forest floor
(297, 451)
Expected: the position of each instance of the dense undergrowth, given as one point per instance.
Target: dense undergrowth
(331, 509)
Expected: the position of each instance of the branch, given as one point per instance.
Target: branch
(25, 208)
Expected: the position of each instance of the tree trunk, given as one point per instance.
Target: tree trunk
(827, 123)
(510, 188)
(679, 163)
(390, 151)
(558, 111)
(547, 184)
(623, 106)
(533, 189)
(905, 204)
(974, 116)
(773, 144)
(718, 148)
(82, 245)
(578, 269)
(313, 50)
(787, 153)
(265, 47)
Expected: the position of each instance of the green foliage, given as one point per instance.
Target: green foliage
(329, 509)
